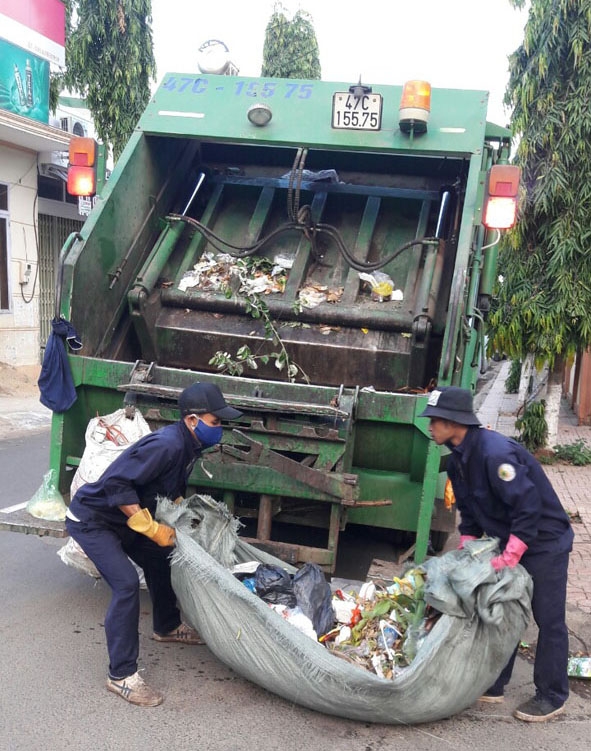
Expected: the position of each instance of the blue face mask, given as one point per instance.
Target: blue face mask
(208, 435)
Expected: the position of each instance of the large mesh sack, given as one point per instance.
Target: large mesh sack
(457, 661)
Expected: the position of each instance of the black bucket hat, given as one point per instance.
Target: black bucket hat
(451, 403)
(200, 398)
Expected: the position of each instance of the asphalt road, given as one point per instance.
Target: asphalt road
(53, 658)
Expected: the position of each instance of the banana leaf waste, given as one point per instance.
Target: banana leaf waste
(484, 615)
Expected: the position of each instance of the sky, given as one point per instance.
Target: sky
(450, 43)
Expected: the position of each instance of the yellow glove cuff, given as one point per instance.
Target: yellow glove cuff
(143, 523)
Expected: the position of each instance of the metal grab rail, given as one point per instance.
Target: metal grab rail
(67, 247)
(258, 403)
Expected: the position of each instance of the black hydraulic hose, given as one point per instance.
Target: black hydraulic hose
(310, 230)
(291, 212)
(369, 265)
(223, 246)
(300, 173)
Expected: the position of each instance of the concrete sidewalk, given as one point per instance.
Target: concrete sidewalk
(21, 414)
(20, 408)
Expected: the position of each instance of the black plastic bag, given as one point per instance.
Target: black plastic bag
(274, 585)
(314, 597)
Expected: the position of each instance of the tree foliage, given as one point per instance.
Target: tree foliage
(110, 61)
(290, 49)
(544, 301)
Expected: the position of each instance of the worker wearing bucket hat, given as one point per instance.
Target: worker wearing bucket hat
(112, 520)
(451, 403)
(502, 491)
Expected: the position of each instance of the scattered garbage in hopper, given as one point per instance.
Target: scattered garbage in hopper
(218, 272)
(221, 272)
(382, 287)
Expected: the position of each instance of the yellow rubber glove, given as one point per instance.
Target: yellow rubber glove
(143, 523)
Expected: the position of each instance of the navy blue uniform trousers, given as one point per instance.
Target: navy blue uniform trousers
(110, 551)
(549, 573)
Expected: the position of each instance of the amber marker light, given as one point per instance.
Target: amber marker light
(415, 106)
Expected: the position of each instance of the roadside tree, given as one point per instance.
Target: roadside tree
(290, 49)
(109, 62)
(543, 304)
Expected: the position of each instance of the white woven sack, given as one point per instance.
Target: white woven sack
(72, 555)
(107, 436)
(99, 452)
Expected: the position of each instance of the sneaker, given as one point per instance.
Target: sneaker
(537, 710)
(491, 697)
(183, 634)
(134, 690)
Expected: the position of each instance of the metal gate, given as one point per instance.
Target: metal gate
(53, 232)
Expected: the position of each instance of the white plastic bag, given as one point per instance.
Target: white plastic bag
(107, 437)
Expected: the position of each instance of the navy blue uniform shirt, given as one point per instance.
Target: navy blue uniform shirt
(158, 464)
(501, 489)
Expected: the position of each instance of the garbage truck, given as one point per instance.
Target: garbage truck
(325, 253)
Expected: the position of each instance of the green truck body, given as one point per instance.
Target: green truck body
(335, 439)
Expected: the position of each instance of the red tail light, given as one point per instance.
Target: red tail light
(500, 208)
(82, 169)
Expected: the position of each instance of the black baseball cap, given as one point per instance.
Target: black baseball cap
(451, 403)
(200, 398)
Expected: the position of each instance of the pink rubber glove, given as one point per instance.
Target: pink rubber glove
(511, 556)
(464, 539)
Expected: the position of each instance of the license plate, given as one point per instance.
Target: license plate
(356, 113)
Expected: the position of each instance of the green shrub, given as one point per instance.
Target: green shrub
(514, 377)
(533, 426)
(577, 453)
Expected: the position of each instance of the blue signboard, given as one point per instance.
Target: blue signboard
(24, 82)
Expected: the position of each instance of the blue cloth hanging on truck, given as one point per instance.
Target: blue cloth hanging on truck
(55, 381)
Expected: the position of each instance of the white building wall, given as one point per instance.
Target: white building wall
(19, 326)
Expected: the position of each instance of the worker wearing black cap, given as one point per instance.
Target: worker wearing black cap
(502, 491)
(112, 519)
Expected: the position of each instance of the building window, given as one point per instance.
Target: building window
(4, 297)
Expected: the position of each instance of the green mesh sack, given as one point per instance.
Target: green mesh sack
(484, 616)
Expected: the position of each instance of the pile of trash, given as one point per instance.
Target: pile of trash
(218, 272)
(254, 275)
(382, 628)
(379, 628)
(302, 599)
